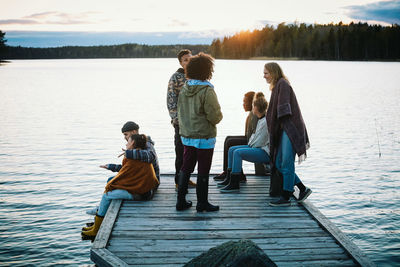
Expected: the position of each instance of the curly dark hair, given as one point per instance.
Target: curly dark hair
(182, 53)
(140, 140)
(200, 67)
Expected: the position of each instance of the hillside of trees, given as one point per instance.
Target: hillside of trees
(2, 44)
(301, 41)
(318, 42)
(111, 51)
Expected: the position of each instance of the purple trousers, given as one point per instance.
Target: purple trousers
(193, 155)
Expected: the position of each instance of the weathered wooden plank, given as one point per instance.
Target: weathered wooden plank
(155, 241)
(192, 254)
(358, 255)
(255, 207)
(325, 263)
(107, 225)
(182, 260)
(198, 223)
(217, 234)
(162, 211)
(223, 205)
(103, 257)
(199, 245)
(234, 216)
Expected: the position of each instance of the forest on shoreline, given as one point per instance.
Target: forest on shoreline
(316, 42)
(355, 41)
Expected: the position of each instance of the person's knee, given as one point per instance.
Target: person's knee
(231, 149)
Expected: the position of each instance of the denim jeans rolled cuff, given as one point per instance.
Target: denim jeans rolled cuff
(252, 154)
(107, 197)
(285, 163)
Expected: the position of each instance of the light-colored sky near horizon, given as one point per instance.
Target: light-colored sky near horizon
(199, 18)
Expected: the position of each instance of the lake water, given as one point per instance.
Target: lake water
(61, 119)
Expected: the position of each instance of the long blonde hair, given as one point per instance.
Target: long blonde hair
(276, 72)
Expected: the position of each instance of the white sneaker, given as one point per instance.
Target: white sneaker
(92, 211)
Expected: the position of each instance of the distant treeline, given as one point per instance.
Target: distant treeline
(111, 51)
(319, 42)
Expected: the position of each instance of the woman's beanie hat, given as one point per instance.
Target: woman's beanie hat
(129, 126)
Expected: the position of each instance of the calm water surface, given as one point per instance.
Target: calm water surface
(61, 119)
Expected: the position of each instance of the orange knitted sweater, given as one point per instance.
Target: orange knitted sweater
(135, 176)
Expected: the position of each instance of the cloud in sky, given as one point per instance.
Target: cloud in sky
(176, 22)
(17, 22)
(383, 11)
(208, 20)
(168, 16)
(51, 18)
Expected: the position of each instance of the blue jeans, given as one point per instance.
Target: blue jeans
(107, 197)
(238, 153)
(285, 163)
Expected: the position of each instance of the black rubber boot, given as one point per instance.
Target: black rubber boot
(227, 179)
(234, 185)
(183, 180)
(202, 195)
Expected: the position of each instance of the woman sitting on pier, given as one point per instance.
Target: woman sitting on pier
(288, 133)
(236, 140)
(256, 151)
(135, 181)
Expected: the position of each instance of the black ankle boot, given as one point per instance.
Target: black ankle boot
(283, 201)
(227, 179)
(243, 178)
(220, 177)
(234, 184)
(202, 195)
(183, 180)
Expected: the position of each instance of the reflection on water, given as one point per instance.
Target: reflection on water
(61, 119)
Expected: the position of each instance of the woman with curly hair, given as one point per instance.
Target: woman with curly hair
(198, 114)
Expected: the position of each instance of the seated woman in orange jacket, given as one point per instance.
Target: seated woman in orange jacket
(135, 181)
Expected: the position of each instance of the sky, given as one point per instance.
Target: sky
(46, 23)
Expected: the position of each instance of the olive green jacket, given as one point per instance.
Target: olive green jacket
(198, 110)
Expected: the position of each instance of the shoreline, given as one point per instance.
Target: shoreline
(251, 58)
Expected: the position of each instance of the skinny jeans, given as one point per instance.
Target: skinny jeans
(237, 154)
(285, 163)
(232, 140)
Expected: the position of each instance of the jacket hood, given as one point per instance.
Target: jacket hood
(192, 87)
(149, 140)
(191, 90)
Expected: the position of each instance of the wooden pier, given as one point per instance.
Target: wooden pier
(153, 233)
